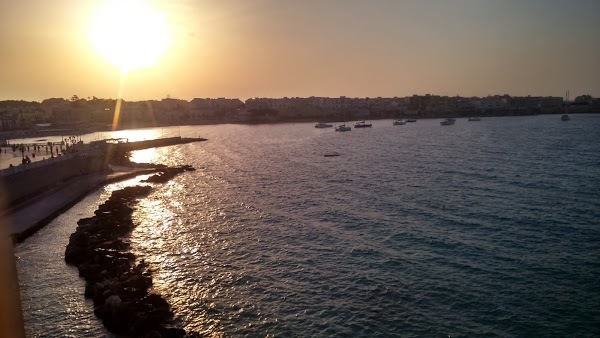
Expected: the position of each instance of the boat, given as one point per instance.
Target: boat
(323, 125)
(474, 119)
(399, 123)
(362, 124)
(411, 120)
(343, 127)
(565, 117)
(447, 122)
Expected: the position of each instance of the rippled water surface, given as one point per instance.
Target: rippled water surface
(480, 228)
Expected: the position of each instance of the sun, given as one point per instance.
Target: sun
(129, 34)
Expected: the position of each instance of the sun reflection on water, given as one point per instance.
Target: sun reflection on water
(144, 156)
(162, 239)
(164, 155)
(137, 134)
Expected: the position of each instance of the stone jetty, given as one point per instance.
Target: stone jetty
(123, 145)
(116, 281)
(166, 174)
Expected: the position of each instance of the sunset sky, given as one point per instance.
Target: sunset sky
(276, 48)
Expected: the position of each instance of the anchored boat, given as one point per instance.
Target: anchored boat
(362, 124)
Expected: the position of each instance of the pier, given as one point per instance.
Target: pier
(35, 193)
(122, 145)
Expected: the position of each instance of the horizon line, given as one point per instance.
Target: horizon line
(88, 98)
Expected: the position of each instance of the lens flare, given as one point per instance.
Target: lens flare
(130, 34)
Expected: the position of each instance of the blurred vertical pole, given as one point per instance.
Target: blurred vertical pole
(11, 315)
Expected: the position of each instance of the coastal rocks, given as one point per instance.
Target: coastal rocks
(117, 285)
(168, 173)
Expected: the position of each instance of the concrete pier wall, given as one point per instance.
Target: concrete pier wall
(25, 181)
(120, 147)
(29, 180)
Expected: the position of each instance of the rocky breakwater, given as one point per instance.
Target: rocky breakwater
(166, 174)
(117, 283)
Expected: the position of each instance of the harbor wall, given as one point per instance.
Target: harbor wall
(31, 179)
(25, 181)
(138, 145)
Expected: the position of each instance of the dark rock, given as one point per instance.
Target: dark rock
(114, 314)
(153, 334)
(119, 287)
(139, 281)
(75, 255)
(168, 173)
(113, 306)
(90, 290)
(90, 272)
(172, 332)
(156, 302)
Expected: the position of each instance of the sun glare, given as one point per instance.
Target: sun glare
(130, 34)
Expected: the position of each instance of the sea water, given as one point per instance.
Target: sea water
(486, 228)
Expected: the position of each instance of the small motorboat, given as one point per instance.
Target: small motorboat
(399, 123)
(323, 125)
(343, 127)
(362, 124)
(565, 117)
(447, 122)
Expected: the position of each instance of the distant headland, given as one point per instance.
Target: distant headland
(92, 113)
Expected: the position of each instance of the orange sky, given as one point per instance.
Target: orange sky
(279, 48)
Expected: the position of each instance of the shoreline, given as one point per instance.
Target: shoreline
(117, 281)
(28, 133)
(28, 217)
(36, 194)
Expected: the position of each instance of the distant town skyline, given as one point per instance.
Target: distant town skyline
(75, 97)
(269, 48)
